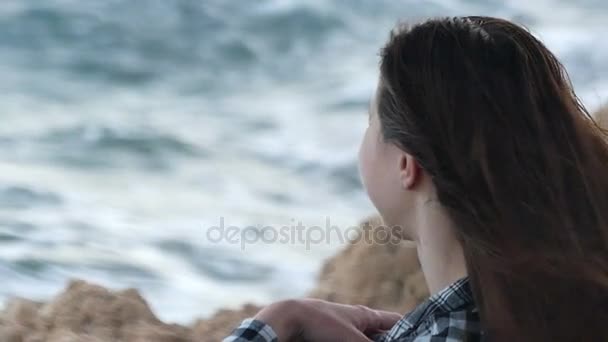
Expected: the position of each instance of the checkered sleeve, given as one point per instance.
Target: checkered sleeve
(380, 337)
(252, 330)
(454, 326)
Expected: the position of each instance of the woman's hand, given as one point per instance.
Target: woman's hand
(319, 321)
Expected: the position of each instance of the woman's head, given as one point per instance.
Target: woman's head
(478, 112)
(390, 174)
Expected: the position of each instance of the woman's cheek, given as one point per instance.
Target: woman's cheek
(364, 159)
(367, 169)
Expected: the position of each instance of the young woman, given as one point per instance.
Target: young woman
(479, 149)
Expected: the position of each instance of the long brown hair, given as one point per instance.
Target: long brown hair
(520, 165)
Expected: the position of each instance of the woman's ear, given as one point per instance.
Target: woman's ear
(409, 171)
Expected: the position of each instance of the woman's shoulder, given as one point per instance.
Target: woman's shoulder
(450, 315)
(457, 325)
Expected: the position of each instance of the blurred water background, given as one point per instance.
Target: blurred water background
(129, 127)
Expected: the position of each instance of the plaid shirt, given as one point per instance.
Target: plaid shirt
(252, 330)
(448, 316)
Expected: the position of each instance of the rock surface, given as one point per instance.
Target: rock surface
(87, 312)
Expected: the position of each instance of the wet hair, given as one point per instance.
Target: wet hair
(517, 161)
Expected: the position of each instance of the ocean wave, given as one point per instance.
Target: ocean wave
(92, 146)
(217, 264)
(18, 197)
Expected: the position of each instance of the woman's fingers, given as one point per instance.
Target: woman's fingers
(370, 320)
(384, 320)
(321, 321)
(351, 334)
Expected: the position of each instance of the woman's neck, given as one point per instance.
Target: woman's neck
(439, 251)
